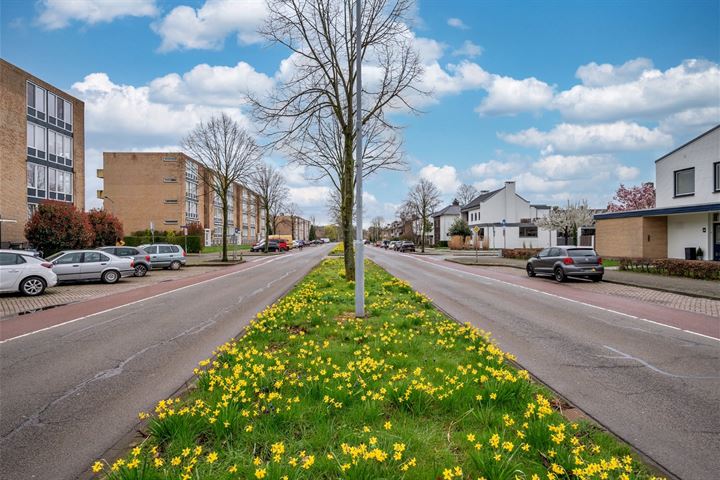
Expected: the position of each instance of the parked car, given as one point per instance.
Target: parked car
(143, 264)
(21, 271)
(165, 255)
(405, 246)
(90, 265)
(385, 244)
(564, 262)
(273, 246)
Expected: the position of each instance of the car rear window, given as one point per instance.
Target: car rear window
(11, 259)
(582, 252)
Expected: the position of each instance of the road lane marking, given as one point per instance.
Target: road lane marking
(258, 264)
(559, 297)
(627, 356)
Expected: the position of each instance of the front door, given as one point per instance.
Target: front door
(716, 242)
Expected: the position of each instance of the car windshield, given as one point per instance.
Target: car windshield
(582, 252)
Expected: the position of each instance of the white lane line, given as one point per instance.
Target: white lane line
(522, 287)
(626, 356)
(259, 264)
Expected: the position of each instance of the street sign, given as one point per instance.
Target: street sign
(476, 229)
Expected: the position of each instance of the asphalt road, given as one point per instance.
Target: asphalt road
(73, 388)
(656, 386)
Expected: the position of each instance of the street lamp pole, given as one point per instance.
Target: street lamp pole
(359, 245)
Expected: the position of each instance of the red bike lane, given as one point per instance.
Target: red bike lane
(689, 322)
(22, 325)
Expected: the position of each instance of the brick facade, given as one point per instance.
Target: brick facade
(297, 227)
(14, 155)
(639, 237)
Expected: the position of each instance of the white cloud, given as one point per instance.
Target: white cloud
(603, 137)
(654, 94)
(571, 166)
(212, 85)
(206, 27)
(693, 121)
(488, 184)
(429, 50)
(508, 96)
(529, 182)
(457, 23)
(311, 196)
(56, 14)
(468, 49)
(493, 168)
(625, 173)
(594, 75)
(445, 177)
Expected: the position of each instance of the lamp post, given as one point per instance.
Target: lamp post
(359, 245)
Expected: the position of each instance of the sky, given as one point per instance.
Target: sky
(567, 98)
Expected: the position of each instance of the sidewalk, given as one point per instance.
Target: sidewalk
(679, 285)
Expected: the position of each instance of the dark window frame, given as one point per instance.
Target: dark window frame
(675, 173)
(524, 228)
(716, 177)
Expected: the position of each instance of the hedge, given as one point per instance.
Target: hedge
(700, 269)
(194, 243)
(520, 253)
(443, 244)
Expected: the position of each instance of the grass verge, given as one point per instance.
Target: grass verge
(310, 392)
(218, 248)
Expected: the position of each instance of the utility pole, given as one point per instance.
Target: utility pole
(359, 245)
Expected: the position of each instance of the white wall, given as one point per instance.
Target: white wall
(687, 231)
(445, 222)
(700, 154)
(544, 239)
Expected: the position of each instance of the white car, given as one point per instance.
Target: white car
(21, 272)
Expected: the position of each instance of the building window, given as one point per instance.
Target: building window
(169, 159)
(36, 185)
(31, 209)
(685, 182)
(717, 176)
(36, 101)
(35, 140)
(60, 185)
(60, 148)
(170, 180)
(170, 222)
(528, 231)
(59, 112)
(171, 201)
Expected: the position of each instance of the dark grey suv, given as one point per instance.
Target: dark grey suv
(564, 262)
(141, 257)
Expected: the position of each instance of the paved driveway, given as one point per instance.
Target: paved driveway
(648, 372)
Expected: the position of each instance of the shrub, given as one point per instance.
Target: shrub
(520, 253)
(195, 229)
(460, 227)
(59, 226)
(106, 226)
(194, 243)
(673, 267)
(443, 244)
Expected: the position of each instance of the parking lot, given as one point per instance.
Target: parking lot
(14, 303)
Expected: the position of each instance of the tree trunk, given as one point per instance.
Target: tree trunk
(422, 232)
(346, 209)
(224, 232)
(267, 228)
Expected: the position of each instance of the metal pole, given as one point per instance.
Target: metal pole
(359, 254)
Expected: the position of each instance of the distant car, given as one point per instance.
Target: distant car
(143, 264)
(20, 271)
(325, 240)
(385, 244)
(564, 262)
(273, 246)
(394, 245)
(165, 255)
(405, 246)
(90, 265)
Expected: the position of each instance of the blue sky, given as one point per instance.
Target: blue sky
(567, 98)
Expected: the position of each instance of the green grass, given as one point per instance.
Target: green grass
(218, 248)
(310, 392)
(611, 262)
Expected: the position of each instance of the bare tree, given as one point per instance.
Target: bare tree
(466, 193)
(269, 185)
(292, 210)
(568, 220)
(311, 113)
(423, 199)
(376, 225)
(228, 154)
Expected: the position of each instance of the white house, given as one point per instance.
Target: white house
(687, 208)
(507, 220)
(443, 219)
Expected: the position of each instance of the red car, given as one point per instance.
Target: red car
(283, 245)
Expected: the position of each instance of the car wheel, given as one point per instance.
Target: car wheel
(140, 270)
(32, 286)
(560, 274)
(174, 265)
(530, 270)
(111, 276)
(596, 279)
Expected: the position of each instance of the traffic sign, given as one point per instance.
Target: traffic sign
(476, 229)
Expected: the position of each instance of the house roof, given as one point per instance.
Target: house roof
(479, 199)
(449, 210)
(654, 212)
(688, 143)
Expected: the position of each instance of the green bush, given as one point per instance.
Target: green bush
(443, 244)
(194, 243)
(700, 269)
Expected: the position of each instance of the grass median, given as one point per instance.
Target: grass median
(310, 392)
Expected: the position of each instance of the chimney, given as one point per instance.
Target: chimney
(456, 202)
(510, 187)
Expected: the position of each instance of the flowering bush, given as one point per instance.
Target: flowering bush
(520, 253)
(338, 249)
(57, 226)
(312, 392)
(106, 226)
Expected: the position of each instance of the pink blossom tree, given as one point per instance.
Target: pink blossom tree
(633, 198)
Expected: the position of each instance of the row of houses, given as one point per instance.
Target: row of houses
(42, 153)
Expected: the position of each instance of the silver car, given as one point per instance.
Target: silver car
(88, 265)
(165, 255)
(566, 261)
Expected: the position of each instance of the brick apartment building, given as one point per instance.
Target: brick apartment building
(42, 149)
(169, 190)
(297, 227)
